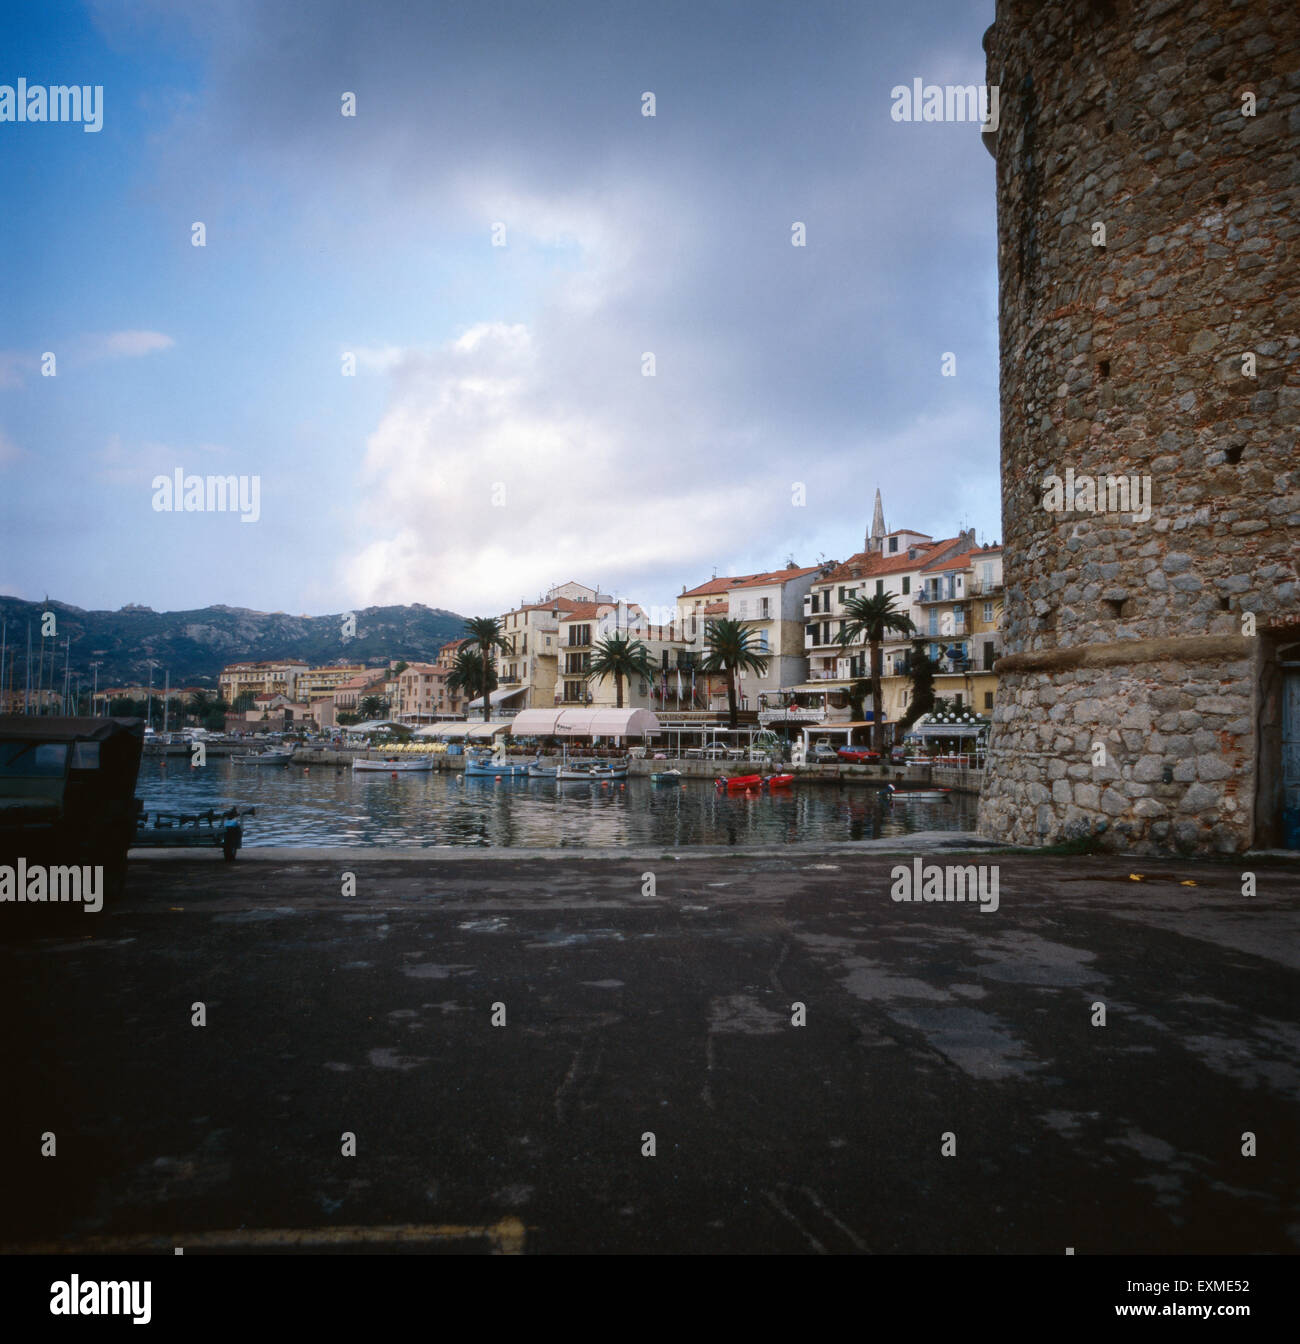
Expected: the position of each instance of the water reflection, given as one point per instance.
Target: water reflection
(332, 806)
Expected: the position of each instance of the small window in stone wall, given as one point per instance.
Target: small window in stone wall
(1115, 608)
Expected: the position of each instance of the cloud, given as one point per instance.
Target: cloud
(129, 344)
(9, 450)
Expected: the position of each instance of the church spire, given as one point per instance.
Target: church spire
(876, 541)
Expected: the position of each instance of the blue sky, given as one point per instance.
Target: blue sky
(499, 434)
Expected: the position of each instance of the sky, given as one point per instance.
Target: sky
(496, 240)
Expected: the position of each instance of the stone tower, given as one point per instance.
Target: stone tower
(875, 540)
(1148, 230)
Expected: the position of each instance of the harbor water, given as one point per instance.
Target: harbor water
(329, 805)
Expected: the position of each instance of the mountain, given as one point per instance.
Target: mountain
(195, 645)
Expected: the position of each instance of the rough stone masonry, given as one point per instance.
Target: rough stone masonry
(1147, 176)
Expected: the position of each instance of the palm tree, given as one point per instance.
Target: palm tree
(731, 651)
(870, 618)
(483, 640)
(373, 707)
(618, 656)
(467, 675)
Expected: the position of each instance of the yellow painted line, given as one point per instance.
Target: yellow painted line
(507, 1238)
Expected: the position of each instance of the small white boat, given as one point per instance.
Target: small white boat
(906, 795)
(591, 771)
(666, 776)
(398, 765)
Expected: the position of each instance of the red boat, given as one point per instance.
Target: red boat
(739, 782)
(779, 781)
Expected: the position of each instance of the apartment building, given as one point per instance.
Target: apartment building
(260, 678)
(671, 655)
(528, 668)
(316, 682)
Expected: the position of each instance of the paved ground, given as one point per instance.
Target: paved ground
(629, 1013)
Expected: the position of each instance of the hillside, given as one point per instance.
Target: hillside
(195, 645)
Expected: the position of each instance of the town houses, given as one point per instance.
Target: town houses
(949, 589)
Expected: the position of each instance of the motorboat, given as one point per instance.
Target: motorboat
(666, 776)
(778, 781)
(271, 756)
(738, 783)
(395, 765)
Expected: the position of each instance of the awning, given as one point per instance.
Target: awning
(582, 721)
(947, 729)
(455, 732)
(499, 697)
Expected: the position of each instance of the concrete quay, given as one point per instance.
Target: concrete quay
(658, 994)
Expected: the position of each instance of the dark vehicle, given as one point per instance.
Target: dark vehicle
(67, 791)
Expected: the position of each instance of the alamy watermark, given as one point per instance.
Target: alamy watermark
(37, 883)
(956, 882)
(180, 493)
(53, 102)
(1098, 494)
(919, 101)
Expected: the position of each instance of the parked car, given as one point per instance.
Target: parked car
(898, 755)
(824, 754)
(858, 755)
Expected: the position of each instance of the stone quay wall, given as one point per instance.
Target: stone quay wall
(1148, 231)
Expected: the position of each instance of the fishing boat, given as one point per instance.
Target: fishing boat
(396, 765)
(484, 767)
(591, 771)
(536, 770)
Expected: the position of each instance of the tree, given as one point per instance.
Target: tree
(731, 650)
(373, 707)
(467, 675)
(920, 671)
(399, 667)
(243, 702)
(858, 692)
(484, 640)
(618, 656)
(869, 619)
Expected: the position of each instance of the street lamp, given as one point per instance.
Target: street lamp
(94, 691)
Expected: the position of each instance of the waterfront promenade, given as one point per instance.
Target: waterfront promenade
(666, 1007)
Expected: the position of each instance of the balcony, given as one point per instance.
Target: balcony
(929, 596)
(983, 588)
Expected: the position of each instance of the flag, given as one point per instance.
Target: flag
(679, 686)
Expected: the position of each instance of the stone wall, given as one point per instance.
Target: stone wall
(1123, 355)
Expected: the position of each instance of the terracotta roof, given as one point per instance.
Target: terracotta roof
(961, 561)
(716, 609)
(563, 603)
(586, 611)
(773, 576)
(713, 587)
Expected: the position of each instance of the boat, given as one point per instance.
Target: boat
(181, 830)
(590, 771)
(271, 756)
(536, 770)
(906, 795)
(739, 783)
(778, 781)
(666, 777)
(484, 767)
(395, 765)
